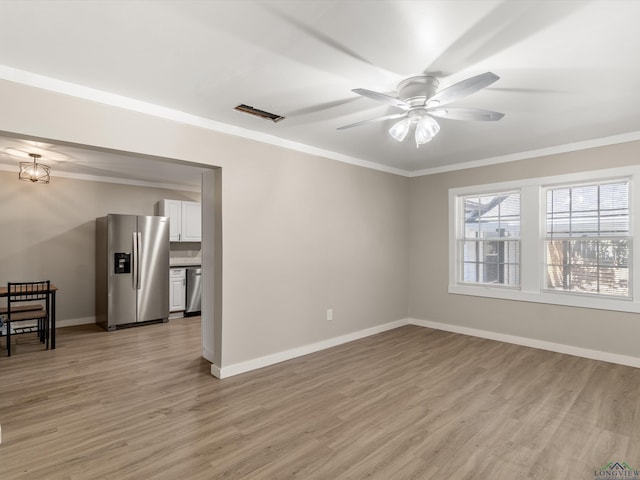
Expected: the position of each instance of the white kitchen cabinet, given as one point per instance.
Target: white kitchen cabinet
(191, 222)
(177, 289)
(185, 220)
(173, 210)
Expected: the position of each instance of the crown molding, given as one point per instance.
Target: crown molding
(79, 91)
(541, 152)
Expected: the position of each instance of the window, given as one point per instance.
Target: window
(562, 240)
(490, 240)
(588, 242)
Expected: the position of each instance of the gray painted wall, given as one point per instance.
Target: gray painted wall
(609, 331)
(305, 235)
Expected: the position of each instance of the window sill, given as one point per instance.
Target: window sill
(565, 299)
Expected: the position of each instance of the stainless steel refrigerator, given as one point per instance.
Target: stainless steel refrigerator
(132, 270)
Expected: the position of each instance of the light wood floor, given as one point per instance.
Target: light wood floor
(412, 403)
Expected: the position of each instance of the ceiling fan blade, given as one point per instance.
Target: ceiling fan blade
(320, 107)
(373, 120)
(462, 89)
(502, 27)
(381, 97)
(463, 113)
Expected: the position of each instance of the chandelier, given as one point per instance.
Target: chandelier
(33, 171)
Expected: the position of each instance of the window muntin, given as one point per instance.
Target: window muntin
(490, 243)
(588, 239)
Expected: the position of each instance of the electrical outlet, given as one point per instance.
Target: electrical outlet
(329, 314)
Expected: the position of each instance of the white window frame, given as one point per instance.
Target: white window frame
(544, 238)
(461, 238)
(532, 242)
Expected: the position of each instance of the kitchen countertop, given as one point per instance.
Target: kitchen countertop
(184, 263)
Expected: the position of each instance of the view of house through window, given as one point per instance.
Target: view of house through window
(588, 242)
(491, 239)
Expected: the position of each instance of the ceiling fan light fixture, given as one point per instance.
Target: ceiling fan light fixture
(400, 129)
(426, 129)
(420, 100)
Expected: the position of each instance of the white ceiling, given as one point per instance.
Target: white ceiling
(569, 69)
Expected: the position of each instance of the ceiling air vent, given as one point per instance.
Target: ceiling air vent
(258, 113)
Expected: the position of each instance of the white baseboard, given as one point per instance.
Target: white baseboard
(530, 342)
(72, 322)
(216, 371)
(260, 362)
(254, 364)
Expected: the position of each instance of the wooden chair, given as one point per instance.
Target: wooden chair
(24, 304)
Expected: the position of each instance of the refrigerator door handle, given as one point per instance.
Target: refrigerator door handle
(139, 253)
(134, 277)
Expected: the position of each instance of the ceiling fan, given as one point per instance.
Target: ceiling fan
(420, 100)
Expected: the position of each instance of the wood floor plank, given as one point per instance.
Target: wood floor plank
(411, 403)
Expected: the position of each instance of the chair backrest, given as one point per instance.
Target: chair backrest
(24, 292)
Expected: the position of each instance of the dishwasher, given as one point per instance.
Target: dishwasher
(194, 291)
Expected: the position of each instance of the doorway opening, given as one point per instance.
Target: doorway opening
(88, 182)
